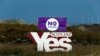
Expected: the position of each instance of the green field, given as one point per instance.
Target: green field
(30, 50)
(86, 40)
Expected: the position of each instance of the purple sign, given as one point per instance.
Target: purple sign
(52, 24)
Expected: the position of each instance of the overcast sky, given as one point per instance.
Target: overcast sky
(30, 10)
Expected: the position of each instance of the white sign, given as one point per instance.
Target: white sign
(43, 42)
(52, 24)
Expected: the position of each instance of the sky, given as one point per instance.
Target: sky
(31, 10)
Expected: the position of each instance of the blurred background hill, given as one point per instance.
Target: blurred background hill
(15, 31)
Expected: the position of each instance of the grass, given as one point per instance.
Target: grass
(30, 50)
